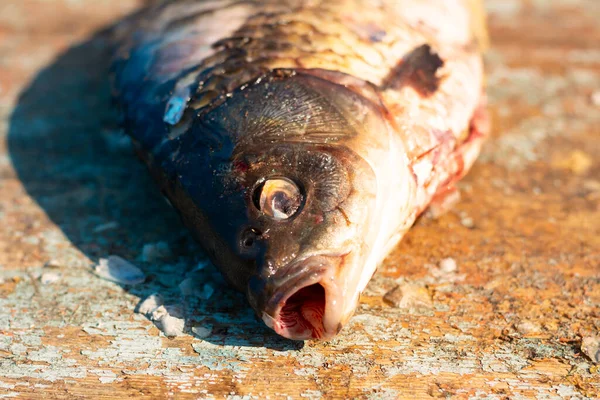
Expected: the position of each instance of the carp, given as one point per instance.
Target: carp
(300, 139)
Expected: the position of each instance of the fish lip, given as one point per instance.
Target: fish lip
(298, 265)
(323, 275)
(291, 286)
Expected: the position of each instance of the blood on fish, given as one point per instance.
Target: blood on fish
(240, 166)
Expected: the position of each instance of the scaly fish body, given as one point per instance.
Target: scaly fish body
(300, 139)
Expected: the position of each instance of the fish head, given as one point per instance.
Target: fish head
(308, 209)
(305, 200)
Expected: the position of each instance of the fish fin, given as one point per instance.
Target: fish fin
(479, 26)
(418, 69)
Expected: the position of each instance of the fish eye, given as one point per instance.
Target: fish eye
(279, 198)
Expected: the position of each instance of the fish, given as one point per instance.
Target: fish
(299, 140)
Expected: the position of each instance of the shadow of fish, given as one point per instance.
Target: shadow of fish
(299, 140)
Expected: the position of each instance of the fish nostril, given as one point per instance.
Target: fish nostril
(248, 242)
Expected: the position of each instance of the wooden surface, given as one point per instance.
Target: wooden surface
(509, 322)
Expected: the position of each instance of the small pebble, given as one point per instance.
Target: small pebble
(118, 270)
(412, 298)
(578, 162)
(591, 185)
(448, 265)
(158, 313)
(35, 275)
(467, 222)
(527, 328)
(31, 240)
(153, 252)
(200, 266)
(202, 332)
(194, 287)
(49, 277)
(116, 141)
(590, 346)
(188, 287)
(150, 304)
(207, 291)
(169, 319)
(106, 227)
(596, 98)
(52, 264)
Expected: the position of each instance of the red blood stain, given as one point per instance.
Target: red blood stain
(240, 166)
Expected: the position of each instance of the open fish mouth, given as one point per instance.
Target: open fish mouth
(308, 307)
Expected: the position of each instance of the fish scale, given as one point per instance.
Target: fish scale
(358, 114)
(338, 48)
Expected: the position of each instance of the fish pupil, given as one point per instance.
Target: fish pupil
(284, 204)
